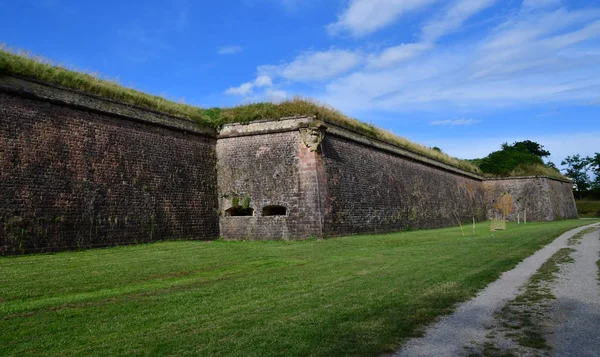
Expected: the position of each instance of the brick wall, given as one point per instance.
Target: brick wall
(77, 171)
(540, 198)
(76, 178)
(267, 164)
(375, 190)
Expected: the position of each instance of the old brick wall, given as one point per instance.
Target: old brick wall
(76, 178)
(77, 171)
(540, 198)
(371, 189)
(267, 164)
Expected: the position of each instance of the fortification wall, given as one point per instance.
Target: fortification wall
(266, 167)
(377, 187)
(539, 198)
(78, 171)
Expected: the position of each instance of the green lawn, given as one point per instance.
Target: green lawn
(588, 208)
(355, 296)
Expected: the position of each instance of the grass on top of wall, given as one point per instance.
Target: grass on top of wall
(23, 64)
(353, 296)
(26, 65)
(538, 170)
(532, 170)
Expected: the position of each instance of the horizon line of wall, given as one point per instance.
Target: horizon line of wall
(79, 171)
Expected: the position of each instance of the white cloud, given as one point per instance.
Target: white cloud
(521, 58)
(263, 81)
(453, 18)
(243, 89)
(394, 55)
(366, 16)
(548, 56)
(246, 89)
(229, 50)
(314, 66)
(454, 122)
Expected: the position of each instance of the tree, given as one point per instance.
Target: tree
(594, 165)
(519, 154)
(577, 168)
(528, 146)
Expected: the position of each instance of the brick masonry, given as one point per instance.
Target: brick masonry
(537, 198)
(73, 178)
(268, 166)
(372, 190)
(78, 171)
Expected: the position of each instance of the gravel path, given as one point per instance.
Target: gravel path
(575, 314)
(454, 333)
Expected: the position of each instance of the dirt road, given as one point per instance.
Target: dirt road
(553, 294)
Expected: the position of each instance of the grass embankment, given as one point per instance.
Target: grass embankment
(22, 64)
(355, 296)
(587, 208)
(537, 170)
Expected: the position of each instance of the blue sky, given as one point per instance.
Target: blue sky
(464, 75)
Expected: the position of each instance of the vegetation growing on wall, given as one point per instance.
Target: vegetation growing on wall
(22, 64)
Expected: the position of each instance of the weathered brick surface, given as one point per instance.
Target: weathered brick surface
(72, 178)
(371, 190)
(540, 198)
(77, 171)
(268, 169)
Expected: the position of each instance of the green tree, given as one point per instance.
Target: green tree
(520, 154)
(576, 170)
(594, 165)
(529, 146)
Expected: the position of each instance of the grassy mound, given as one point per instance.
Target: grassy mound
(25, 65)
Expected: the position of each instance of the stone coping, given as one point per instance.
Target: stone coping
(52, 93)
(526, 177)
(263, 127)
